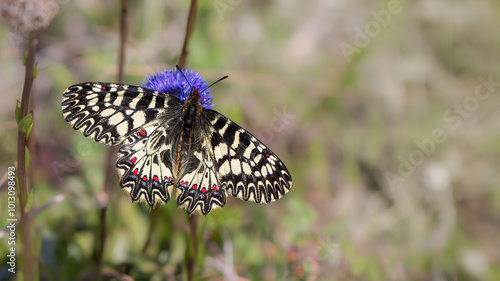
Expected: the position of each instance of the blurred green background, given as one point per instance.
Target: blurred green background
(385, 113)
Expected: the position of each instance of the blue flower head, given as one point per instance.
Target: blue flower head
(173, 83)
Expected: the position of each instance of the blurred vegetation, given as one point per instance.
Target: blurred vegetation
(376, 195)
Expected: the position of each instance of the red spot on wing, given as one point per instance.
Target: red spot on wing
(135, 172)
(267, 154)
(203, 190)
(144, 178)
(194, 186)
(214, 187)
(134, 159)
(155, 178)
(142, 133)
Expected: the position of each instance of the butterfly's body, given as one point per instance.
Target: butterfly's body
(177, 146)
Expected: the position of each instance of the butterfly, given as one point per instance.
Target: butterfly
(174, 147)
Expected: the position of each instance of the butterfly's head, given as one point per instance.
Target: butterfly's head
(195, 94)
(192, 107)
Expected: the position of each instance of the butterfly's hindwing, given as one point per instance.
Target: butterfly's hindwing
(110, 112)
(198, 189)
(144, 173)
(245, 167)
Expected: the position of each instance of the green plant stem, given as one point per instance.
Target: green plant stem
(28, 264)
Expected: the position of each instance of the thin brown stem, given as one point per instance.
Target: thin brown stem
(193, 230)
(153, 219)
(26, 220)
(110, 177)
(123, 38)
(191, 253)
(101, 240)
(189, 30)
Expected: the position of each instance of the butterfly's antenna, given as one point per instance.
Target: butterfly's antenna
(214, 83)
(178, 68)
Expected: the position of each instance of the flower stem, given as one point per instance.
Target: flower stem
(110, 177)
(193, 220)
(123, 38)
(193, 229)
(153, 222)
(189, 30)
(28, 265)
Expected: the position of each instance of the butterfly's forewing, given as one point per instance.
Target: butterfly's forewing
(246, 168)
(140, 118)
(109, 113)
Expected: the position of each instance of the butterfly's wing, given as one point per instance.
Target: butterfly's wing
(231, 160)
(109, 112)
(145, 164)
(198, 189)
(143, 119)
(246, 168)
